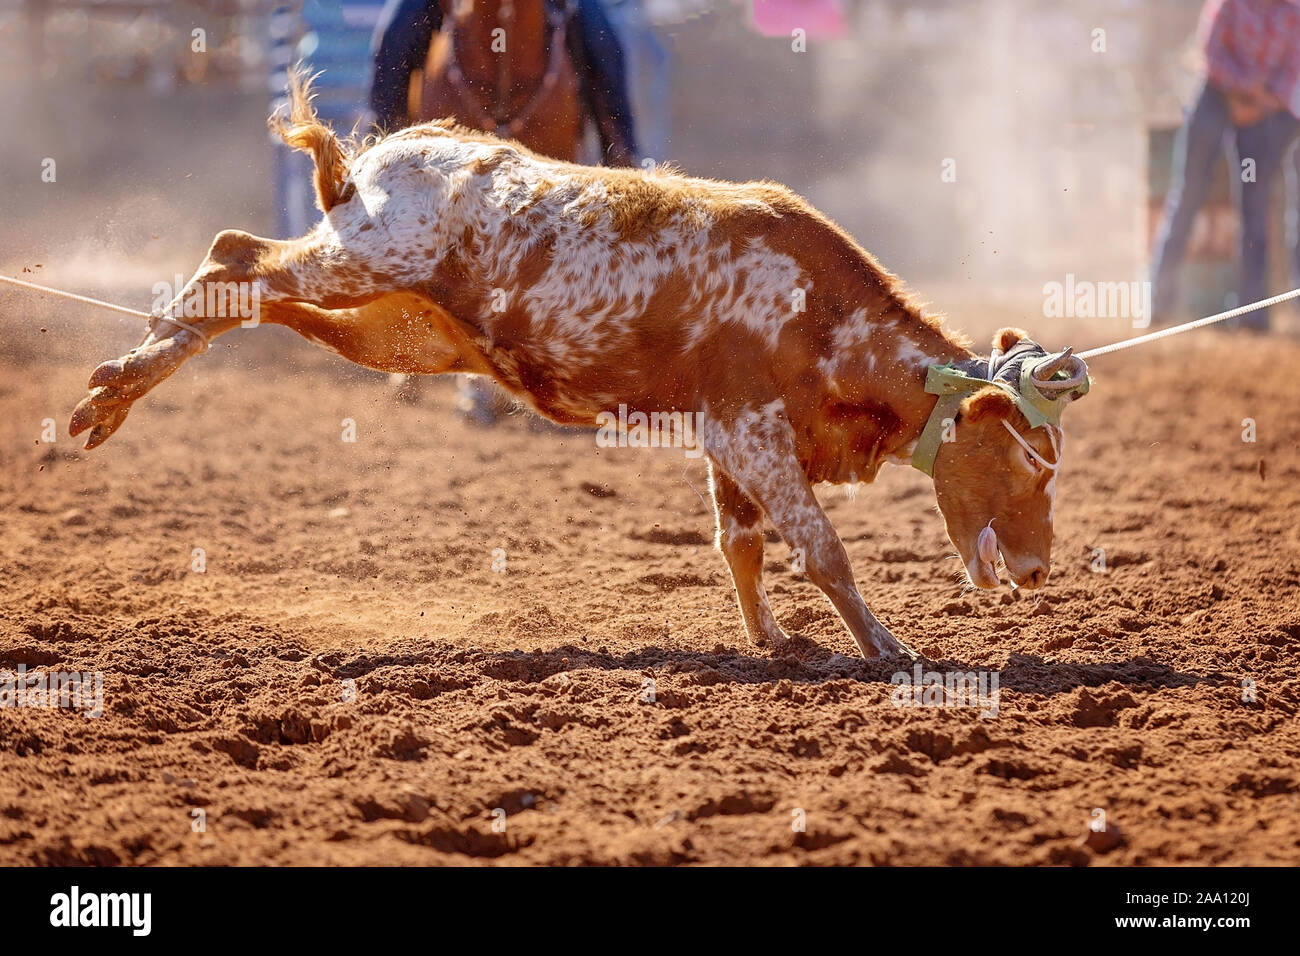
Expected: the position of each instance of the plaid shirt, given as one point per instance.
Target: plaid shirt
(1250, 43)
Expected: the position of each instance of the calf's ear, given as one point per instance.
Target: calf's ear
(1003, 339)
(991, 402)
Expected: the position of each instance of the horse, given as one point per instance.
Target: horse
(503, 66)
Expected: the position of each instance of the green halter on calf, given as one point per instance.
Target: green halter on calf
(1041, 385)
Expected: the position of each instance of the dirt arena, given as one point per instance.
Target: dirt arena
(336, 570)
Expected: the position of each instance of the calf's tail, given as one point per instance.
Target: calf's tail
(304, 131)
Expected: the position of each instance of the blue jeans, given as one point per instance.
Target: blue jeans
(1201, 141)
(1293, 212)
(649, 64)
(401, 45)
(1267, 143)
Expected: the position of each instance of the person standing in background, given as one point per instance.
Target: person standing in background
(1252, 66)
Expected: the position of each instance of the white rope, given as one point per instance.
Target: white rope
(1188, 326)
(75, 298)
(87, 300)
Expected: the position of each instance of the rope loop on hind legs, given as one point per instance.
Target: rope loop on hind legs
(158, 314)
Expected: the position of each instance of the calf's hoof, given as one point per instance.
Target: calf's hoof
(102, 413)
(116, 384)
(884, 645)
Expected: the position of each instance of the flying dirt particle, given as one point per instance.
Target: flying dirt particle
(1103, 841)
(1262, 467)
(1261, 464)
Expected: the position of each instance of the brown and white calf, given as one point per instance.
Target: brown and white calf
(580, 289)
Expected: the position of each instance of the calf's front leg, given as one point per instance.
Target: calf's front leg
(757, 449)
(740, 539)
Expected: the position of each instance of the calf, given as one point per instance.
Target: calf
(582, 289)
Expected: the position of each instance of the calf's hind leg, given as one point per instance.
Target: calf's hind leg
(275, 274)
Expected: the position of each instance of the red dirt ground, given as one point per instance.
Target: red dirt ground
(372, 563)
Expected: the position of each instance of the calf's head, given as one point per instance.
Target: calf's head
(996, 480)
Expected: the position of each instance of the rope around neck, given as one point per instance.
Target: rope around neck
(1188, 326)
(149, 317)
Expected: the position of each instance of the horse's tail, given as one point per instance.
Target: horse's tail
(305, 132)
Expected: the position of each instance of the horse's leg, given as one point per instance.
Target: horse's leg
(278, 274)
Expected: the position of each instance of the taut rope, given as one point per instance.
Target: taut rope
(149, 317)
(76, 298)
(1188, 326)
